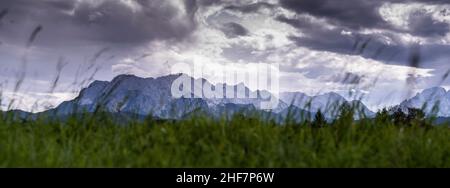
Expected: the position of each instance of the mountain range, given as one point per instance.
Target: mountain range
(145, 96)
(152, 96)
(434, 101)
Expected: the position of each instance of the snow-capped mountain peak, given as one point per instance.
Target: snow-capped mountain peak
(434, 101)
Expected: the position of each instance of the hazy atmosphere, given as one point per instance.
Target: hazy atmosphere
(383, 50)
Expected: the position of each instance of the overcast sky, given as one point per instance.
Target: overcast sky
(384, 49)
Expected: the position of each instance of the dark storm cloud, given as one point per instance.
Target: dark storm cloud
(78, 29)
(233, 30)
(318, 37)
(208, 2)
(114, 22)
(62, 5)
(348, 17)
(348, 78)
(250, 8)
(424, 25)
(351, 13)
(354, 14)
(3, 13)
(106, 21)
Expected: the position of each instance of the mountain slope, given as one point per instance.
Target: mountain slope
(434, 101)
(329, 103)
(144, 96)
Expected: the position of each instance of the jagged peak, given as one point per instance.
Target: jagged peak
(334, 94)
(97, 83)
(171, 76)
(331, 96)
(294, 94)
(434, 91)
(124, 77)
(300, 94)
(131, 76)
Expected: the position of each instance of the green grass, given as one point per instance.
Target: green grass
(203, 142)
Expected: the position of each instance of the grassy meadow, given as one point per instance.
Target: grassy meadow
(96, 141)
